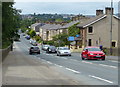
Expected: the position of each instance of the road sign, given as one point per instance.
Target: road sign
(77, 38)
(71, 38)
(77, 35)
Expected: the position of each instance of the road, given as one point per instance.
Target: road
(81, 72)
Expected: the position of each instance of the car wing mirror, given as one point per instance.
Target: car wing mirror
(86, 50)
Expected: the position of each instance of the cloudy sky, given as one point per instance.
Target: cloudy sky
(62, 6)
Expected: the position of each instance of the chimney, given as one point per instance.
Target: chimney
(99, 12)
(108, 10)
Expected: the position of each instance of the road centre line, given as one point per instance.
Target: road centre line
(87, 62)
(113, 61)
(101, 79)
(108, 66)
(73, 70)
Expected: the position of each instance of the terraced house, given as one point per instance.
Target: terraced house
(96, 31)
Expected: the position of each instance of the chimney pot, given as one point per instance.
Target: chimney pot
(108, 10)
(99, 12)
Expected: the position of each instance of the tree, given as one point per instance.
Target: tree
(10, 22)
(61, 40)
(32, 33)
(73, 30)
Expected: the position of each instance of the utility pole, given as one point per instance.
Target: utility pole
(111, 27)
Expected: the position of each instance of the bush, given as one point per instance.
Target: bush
(37, 38)
(32, 33)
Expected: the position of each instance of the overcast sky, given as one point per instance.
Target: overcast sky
(86, 8)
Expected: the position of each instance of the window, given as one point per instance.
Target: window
(90, 29)
(113, 44)
(89, 42)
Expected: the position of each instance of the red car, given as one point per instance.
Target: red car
(92, 53)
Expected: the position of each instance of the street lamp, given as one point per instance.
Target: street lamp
(111, 27)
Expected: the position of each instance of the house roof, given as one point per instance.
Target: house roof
(69, 24)
(47, 26)
(33, 25)
(116, 17)
(37, 25)
(55, 26)
(87, 22)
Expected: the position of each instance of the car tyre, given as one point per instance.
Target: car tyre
(83, 58)
(30, 53)
(103, 59)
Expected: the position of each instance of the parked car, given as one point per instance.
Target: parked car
(92, 52)
(33, 42)
(23, 34)
(51, 49)
(44, 47)
(34, 49)
(27, 37)
(63, 51)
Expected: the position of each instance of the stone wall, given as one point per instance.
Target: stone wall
(5, 51)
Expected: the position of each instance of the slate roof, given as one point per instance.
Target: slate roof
(37, 26)
(87, 22)
(69, 24)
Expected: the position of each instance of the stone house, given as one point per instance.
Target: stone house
(36, 27)
(96, 31)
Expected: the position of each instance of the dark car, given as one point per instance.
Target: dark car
(27, 37)
(34, 49)
(51, 49)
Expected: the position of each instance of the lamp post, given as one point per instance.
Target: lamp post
(111, 27)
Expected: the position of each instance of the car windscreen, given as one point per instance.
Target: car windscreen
(94, 49)
(36, 48)
(52, 47)
(46, 45)
(63, 48)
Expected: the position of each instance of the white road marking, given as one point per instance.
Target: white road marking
(73, 60)
(47, 54)
(72, 70)
(113, 61)
(101, 79)
(49, 62)
(87, 62)
(60, 66)
(108, 66)
(63, 58)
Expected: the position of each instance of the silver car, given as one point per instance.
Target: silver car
(63, 51)
(45, 47)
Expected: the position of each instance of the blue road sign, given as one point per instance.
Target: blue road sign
(77, 35)
(71, 38)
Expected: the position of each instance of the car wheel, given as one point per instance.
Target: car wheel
(69, 55)
(103, 59)
(30, 53)
(83, 58)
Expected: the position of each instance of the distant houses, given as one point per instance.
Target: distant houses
(94, 31)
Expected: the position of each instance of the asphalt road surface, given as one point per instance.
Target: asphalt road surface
(72, 69)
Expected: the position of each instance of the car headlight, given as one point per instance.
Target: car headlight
(91, 54)
(103, 53)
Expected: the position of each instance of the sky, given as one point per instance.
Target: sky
(62, 7)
